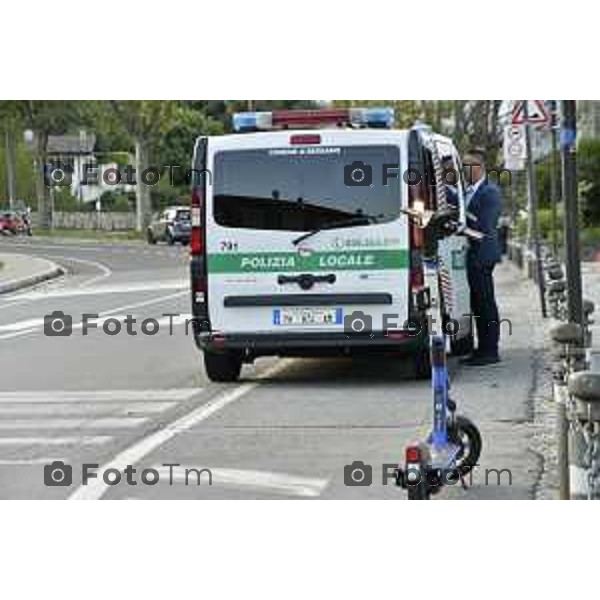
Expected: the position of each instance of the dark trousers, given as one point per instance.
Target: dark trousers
(483, 305)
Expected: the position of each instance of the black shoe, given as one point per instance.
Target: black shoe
(482, 360)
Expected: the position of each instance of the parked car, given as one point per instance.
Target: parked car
(171, 225)
(12, 222)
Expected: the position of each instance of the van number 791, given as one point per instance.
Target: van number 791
(228, 246)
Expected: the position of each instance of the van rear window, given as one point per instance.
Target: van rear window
(306, 188)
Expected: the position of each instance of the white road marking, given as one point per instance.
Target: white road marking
(281, 483)
(102, 314)
(85, 409)
(96, 489)
(124, 288)
(21, 325)
(74, 423)
(31, 324)
(117, 396)
(106, 271)
(76, 440)
(25, 462)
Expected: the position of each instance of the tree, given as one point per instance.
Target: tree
(9, 118)
(176, 146)
(45, 118)
(476, 124)
(146, 121)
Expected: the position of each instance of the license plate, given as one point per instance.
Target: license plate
(307, 316)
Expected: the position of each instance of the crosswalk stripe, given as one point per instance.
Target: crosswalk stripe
(84, 409)
(91, 440)
(75, 423)
(174, 394)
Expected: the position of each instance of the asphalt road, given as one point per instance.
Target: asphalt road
(287, 430)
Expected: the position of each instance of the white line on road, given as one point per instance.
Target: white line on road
(30, 324)
(96, 489)
(38, 323)
(26, 462)
(282, 483)
(74, 423)
(90, 440)
(21, 325)
(84, 409)
(47, 396)
(106, 272)
(123, 288)
(103, 314)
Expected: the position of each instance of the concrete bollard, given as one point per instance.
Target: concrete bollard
(584, 435)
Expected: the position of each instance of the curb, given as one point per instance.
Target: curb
(51, 272)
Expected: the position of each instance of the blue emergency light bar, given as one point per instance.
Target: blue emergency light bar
(288, 119)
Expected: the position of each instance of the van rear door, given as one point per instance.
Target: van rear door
(301, 237)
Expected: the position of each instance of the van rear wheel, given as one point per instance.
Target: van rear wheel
(222, 367)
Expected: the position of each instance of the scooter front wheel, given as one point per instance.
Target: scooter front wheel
(464, 433)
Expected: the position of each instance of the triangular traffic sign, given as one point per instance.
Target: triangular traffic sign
(536, 113)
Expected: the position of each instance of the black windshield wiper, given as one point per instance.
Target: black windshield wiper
(348, 222)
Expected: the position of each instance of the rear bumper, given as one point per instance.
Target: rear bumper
(182, 235)
(310, 343)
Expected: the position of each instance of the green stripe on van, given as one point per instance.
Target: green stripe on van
(270, 262)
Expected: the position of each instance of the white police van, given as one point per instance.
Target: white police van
(299, 246)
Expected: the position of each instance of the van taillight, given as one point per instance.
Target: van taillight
(197, 240)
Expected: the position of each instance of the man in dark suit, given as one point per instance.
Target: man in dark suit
(484, 205)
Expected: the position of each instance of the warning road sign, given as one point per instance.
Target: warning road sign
(536, 113)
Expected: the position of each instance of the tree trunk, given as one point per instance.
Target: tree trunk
(142, 191)
(10, 167)
(42, 191)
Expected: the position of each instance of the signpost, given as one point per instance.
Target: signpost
(568, 138)
(521, 114)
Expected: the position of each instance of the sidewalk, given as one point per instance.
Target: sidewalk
(501, 398)
(19, 271)
(545, 439)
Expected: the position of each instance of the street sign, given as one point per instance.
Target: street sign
(537, 113)
(515, 150)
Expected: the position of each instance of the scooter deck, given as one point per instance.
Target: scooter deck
(444, 457)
